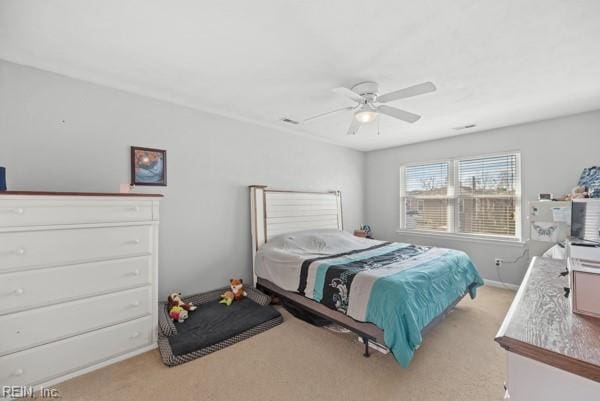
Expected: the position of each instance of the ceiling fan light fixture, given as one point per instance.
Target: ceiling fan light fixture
(370, 104)
(365, 115)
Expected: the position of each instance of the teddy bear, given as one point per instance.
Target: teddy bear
(237, 292)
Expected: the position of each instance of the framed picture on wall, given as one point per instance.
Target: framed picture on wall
(148, 166)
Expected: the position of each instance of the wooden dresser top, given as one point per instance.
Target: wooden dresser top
(47, 193)
(540, 325)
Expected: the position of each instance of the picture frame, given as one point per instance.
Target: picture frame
(148, 166)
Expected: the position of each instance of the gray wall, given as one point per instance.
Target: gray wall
(62, 134)
(553, 154)
(58, 133)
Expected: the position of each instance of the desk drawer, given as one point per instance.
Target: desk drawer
(22, 330)
(43, 212)
(43, 248)
(40, 364)
(34, 288)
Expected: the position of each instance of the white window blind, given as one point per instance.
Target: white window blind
(425, 196)
(488, 192)
(476, 196)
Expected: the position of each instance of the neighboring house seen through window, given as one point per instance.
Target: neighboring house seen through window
(474, 196)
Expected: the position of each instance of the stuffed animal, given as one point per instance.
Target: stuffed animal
(227, 298)
(179, 310)
(578, 192)
(177, 313)
(237, 287)
(237, 292)
(175, 300)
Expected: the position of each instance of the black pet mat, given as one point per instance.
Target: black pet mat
(213, 323)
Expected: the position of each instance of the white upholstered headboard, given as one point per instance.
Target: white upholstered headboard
(274, 212)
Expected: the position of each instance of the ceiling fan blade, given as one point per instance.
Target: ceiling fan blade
(327, 113)
(354, 127)
(399, 114)
(411, 91)
(348, 93)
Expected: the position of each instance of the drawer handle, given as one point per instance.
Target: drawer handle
(18, 372)
(136, 272)
(135, 335)
(135, 304)
(134, 241)
(19, 210)
(20, 251)
(19, 291)
(135, 209)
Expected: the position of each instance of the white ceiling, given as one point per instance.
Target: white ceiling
(495, 62)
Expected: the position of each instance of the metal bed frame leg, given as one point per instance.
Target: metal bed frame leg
(366, 341)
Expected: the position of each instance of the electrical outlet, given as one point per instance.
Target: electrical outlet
(498, 262)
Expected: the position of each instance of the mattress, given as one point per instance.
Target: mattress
(398, 287)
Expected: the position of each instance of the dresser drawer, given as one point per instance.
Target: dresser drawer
(40, 364)
(39, 326)
(42, 212)
(55, 247)
(33, 288)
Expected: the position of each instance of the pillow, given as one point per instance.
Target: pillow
(316, 242)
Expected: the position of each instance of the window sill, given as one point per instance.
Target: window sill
(464, 237)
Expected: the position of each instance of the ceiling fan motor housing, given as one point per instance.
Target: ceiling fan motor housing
(369, 90)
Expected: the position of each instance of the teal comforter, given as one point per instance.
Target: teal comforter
(398, 287)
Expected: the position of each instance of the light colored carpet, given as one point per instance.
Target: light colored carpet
(458, 360)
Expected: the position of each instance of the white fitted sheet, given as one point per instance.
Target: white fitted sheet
(280, 259)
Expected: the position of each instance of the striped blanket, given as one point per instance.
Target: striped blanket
(398, 287)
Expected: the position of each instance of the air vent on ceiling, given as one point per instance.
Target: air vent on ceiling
(465, 127)
(289, 121)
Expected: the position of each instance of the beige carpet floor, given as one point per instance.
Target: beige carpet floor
(458, 360)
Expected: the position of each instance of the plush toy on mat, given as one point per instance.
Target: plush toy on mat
(227, 298)
(178, 314)
(175, 300)
(237, 292)
(179, 310)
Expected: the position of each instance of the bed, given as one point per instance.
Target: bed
(386, 292)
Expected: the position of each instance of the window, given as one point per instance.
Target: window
(426, 196)
(475, 196)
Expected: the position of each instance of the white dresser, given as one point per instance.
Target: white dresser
(553, 354)
(78, 283)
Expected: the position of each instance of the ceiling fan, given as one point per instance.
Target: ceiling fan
(370, 103)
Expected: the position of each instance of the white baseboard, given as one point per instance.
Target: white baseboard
(499, 284)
